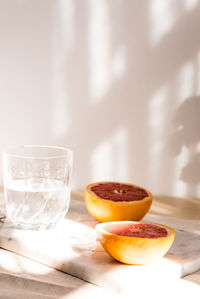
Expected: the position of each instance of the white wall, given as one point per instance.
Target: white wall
(117, 81)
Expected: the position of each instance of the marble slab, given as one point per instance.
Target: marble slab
(22, 278)
(72, 248)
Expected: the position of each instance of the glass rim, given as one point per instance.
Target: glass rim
(9, 152)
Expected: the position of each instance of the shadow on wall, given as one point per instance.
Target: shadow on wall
(114, 48)
(110, 131)
(106, 84)
(186, 137)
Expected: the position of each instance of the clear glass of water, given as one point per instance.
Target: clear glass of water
(37, 185)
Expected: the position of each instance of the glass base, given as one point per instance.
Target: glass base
(36, 227)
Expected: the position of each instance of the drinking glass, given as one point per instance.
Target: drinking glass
(37, 185)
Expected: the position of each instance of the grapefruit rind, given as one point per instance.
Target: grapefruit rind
(134, 250)
(106, 210)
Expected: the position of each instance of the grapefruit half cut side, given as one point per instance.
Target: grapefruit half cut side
(133, 242)
(113, 201)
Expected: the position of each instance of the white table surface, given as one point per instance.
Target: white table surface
(23, 278)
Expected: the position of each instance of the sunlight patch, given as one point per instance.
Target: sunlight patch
(190, 4)
(157, 107)
(119, 63)
(99, 49)
(109, 160)
(180, 187)
(63, 42)
(162, 19)
(185, 82)
(157, 120)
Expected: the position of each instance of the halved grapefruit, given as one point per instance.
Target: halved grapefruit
(112, 201)
(133, 242)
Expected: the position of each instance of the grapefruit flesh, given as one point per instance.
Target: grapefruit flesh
(119, 192)
(135, 242)
(140, 230)
(113, 201)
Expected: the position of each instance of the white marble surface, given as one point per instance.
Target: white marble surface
(22, 278)
(72, 248)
